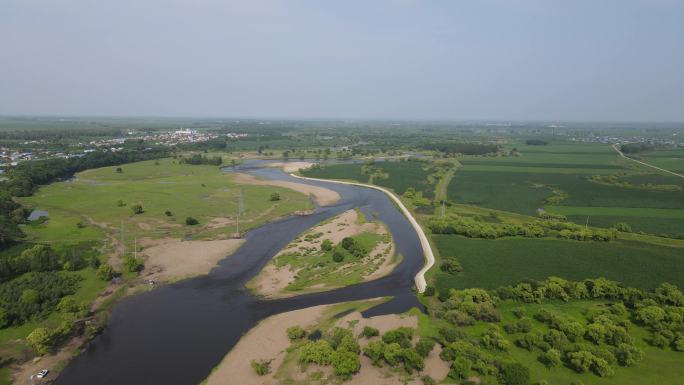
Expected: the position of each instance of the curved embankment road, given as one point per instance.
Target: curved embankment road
(421, 284)
(615, 147)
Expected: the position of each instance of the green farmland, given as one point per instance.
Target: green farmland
(492, 263)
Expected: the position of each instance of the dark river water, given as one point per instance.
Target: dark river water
(176, 334)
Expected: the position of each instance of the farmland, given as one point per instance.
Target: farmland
(492, 263)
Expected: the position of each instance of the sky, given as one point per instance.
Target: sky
(554, 60)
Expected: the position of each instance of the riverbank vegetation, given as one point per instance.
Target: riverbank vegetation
(341, 251)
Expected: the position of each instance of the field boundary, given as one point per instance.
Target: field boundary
(644, 163)
(419, 279)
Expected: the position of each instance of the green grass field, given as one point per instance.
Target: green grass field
(492, 263)
(202, 192)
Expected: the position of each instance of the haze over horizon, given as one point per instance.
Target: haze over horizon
(388, 59)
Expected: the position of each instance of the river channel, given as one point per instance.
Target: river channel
(176, 334)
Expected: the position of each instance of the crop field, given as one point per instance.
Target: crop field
(672, 160)
(492, 263)
(347, 171)
(402, 175)
(103, 198)
(399, 175)
(657, 221)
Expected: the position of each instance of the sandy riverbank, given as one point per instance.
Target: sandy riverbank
(290, 167)
(272, 280)
(170, 259)
(268, 342)
(323, 196)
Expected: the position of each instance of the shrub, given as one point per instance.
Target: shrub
(345, 363)
(412, 360)
(190, 221)
(551, 358)
(514, 374)
(261, 367)
(338, 256)
(295, 333)
(137, 209)
(168, 213)
(401, 336)
(451, 266)
(424, 347)
(427, 380)
(429, 291)
(369, 332)
(106, 272)
(40, 340)
(326, 245)
(274, 197)
(133, 265)
(319, 352)
(375, 351)
(120, 203)
(623, 227)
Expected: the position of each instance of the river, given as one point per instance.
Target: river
(176, 334)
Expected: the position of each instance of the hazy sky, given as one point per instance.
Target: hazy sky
(449, 59)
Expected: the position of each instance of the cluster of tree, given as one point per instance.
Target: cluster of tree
(42, 339)
(27, 176)
(451, 266)
(197, 159)
(41, 258)
(461, 148)
(395, 348)
(475, 228)
(464, 307)
(597, 344)
(536, 142)
(339, 348)
(33, 296)
(633, 148)
(614, 180)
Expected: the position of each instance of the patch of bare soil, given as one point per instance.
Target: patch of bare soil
(324, 196)
(171, 259)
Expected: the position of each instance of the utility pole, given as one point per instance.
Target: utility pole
(135, 248)
(443, 209)
(123, 240)
(586, 225)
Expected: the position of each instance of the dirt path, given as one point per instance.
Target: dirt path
(421, 284)
(615, 147)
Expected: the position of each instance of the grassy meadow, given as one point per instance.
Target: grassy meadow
(103, 198)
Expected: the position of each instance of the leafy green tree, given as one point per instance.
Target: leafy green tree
(345, 363)
(460, 368)
(424, 346)
(650, 315)
(68, 305)
(133, 264)
(375, 351)
(628, 355)
(369, 332)
(402, 336)
(551, 358)
(106, 272)
(623, 227)
(30, 296)
(451, 266)
(392, 353)
(412, 360)
(581, 361)
(319, 352)
(40, 340)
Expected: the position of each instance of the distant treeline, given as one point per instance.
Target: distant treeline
(536, 142)
(633, 148)
(26, 177)
(461, 148)
(199, 159)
